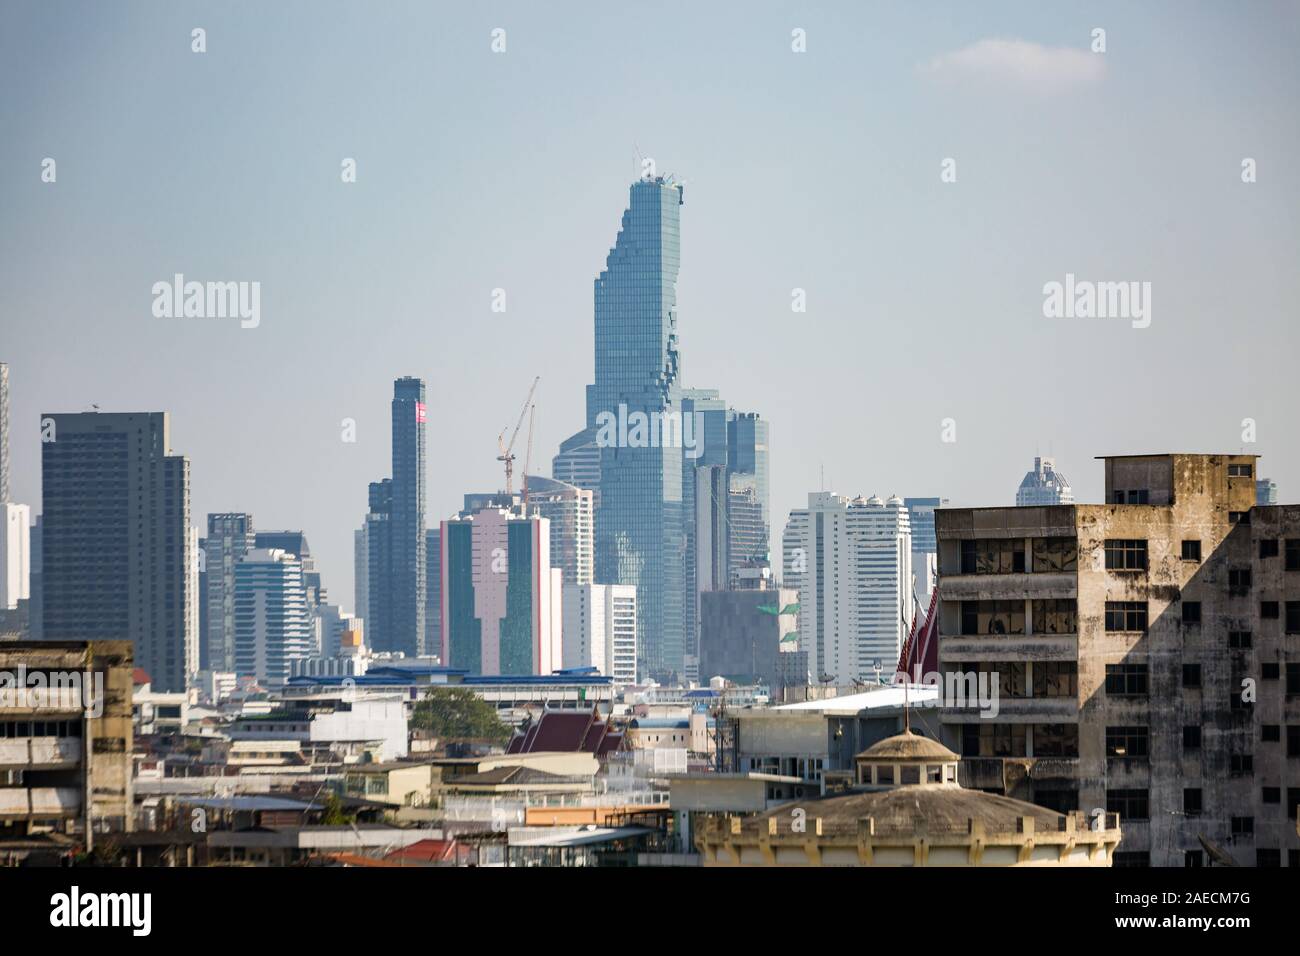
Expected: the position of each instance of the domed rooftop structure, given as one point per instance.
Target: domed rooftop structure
(906, 759)
(907, 809)
(907, 746)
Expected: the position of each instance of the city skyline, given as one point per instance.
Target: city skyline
(363, 318)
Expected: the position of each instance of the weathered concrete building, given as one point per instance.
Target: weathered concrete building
(1147, 656)
(65, 739)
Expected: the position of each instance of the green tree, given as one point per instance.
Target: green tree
(457, 713)
(334, 815)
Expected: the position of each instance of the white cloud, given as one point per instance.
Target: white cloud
(1019, 64)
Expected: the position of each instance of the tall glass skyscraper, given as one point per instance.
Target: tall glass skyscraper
(394, 548)
(409, 503)
(640, 534)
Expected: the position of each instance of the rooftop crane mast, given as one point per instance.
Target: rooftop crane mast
(507, 451)
(528, 455)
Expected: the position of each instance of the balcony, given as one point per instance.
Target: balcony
(1019, 710)
(44, 803)
(1008, 647)
(39, 753)
(1016, 586)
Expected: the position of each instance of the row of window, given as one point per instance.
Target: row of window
(1195, 859)
(1007, 555)
(1051, 678)
(1135, 804)
(1049, 615)
(1130, 680)
(40, 728)
(1060, 616)
(986, 739)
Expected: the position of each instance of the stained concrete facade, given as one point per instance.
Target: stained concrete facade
(65, 738)
(1148, 654)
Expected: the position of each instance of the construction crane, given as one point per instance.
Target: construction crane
(507, 451)
(528, 455)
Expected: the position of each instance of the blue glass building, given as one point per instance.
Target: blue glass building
(640, 534)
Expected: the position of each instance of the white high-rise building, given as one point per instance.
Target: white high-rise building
(1044, 486)
(273, 622)
(361, 572)
(571, 511)
(600, 629)
(15, 553)
(851, 560)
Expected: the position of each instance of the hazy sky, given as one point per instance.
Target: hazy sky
(818, 170)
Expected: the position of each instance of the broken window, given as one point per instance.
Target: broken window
(1191, 612)
(1056, 740)
(986, 739)
(1055, 615)
(1243, 826)
(1055, 555)
(1239, 579)
(1056, 679)
(1238, 517)
(1126, 554)
(993, 617)
(993, 556)
(1191, 675)
(1268, 548)
(1293, 617)
(1293, 554)
(1268, 610)
(1192, 801)
(1192, 737)
(1241, 765)
(1192, 550)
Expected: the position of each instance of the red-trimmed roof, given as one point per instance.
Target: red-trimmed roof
(429, 851)
(567, 731)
